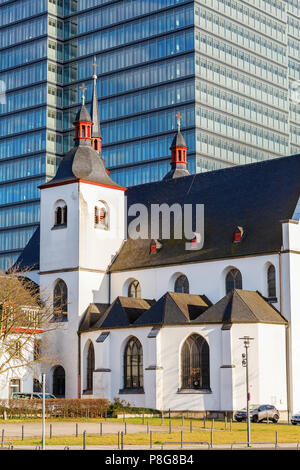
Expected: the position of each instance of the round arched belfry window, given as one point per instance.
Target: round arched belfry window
(134, 289)
(182, 284)
(233, 280)
(101, 215)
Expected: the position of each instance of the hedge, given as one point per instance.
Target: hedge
(65, 407)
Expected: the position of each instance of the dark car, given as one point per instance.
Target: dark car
(258, 413)
(32, 396)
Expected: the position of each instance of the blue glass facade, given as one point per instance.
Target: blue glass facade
(226, 66)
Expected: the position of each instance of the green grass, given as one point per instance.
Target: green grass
(259, 433)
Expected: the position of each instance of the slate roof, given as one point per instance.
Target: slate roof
(96, 129)
(256, 196)
(178, 170)
(178, 141)
(93, 313)
(174, 308)
(241, 306)
(83, 115)
(238, 306)
(123, 312)
(30, 256)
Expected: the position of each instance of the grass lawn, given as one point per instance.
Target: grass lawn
(259, 433)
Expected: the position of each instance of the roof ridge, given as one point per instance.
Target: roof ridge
(173, 300)
(250, 309)
(232, 168)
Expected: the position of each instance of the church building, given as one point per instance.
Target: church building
(147, 320)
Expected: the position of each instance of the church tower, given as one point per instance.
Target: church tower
(82, 229)
(178, 148)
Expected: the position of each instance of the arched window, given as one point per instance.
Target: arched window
(233, 280)
(133, 364)
(59, 380)
(182, 285)
(271, 281)
(195, 363)
(134, 289)
(90, 368)
(101, 216)
(60, 217)
(60, 298)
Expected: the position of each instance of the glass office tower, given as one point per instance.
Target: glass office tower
(227, 66)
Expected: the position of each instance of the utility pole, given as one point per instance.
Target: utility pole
(245, 363)
(44, 424)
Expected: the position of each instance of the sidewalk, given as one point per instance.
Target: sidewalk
(159, 447)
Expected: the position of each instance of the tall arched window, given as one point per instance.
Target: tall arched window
(134, 289)
(60, 298)
(195, 363)
(233, 280)
(90, 368)
(271, 281)
(59, 381)
(182, 285)
(133, 365)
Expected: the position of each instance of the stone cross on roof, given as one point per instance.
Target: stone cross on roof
(179, 117)
(83, 90)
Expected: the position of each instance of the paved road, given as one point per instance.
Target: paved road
(158, 447)
(14, 430)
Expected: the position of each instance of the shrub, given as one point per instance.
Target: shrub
(120, 406)
(64, 407)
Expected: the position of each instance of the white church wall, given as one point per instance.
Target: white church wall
(97, 245)
(267, 384)
(204, 278)
(272, 365)
(290, 260)
(59, 246)
(172, 339)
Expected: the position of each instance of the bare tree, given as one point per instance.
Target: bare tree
(25, 321)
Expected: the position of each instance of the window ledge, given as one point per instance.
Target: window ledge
(59, 227)
(194, 390)
(60, 319)
(87, 392)
(99, 227)
(131, 391)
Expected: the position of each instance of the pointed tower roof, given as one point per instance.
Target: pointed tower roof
(96, 131)
(179, 149)
(83, 162)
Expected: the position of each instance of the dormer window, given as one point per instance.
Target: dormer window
(101, 216)
(155, 247)
(238, 235)
(60, 214)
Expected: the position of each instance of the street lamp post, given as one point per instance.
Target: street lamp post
(44, 424)
(245, 363)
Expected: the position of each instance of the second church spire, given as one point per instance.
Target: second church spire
(96, 130)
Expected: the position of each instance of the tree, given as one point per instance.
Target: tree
(25, 321)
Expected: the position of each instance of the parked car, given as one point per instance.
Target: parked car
(259, 413)
(296, 418)
(32, 396)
